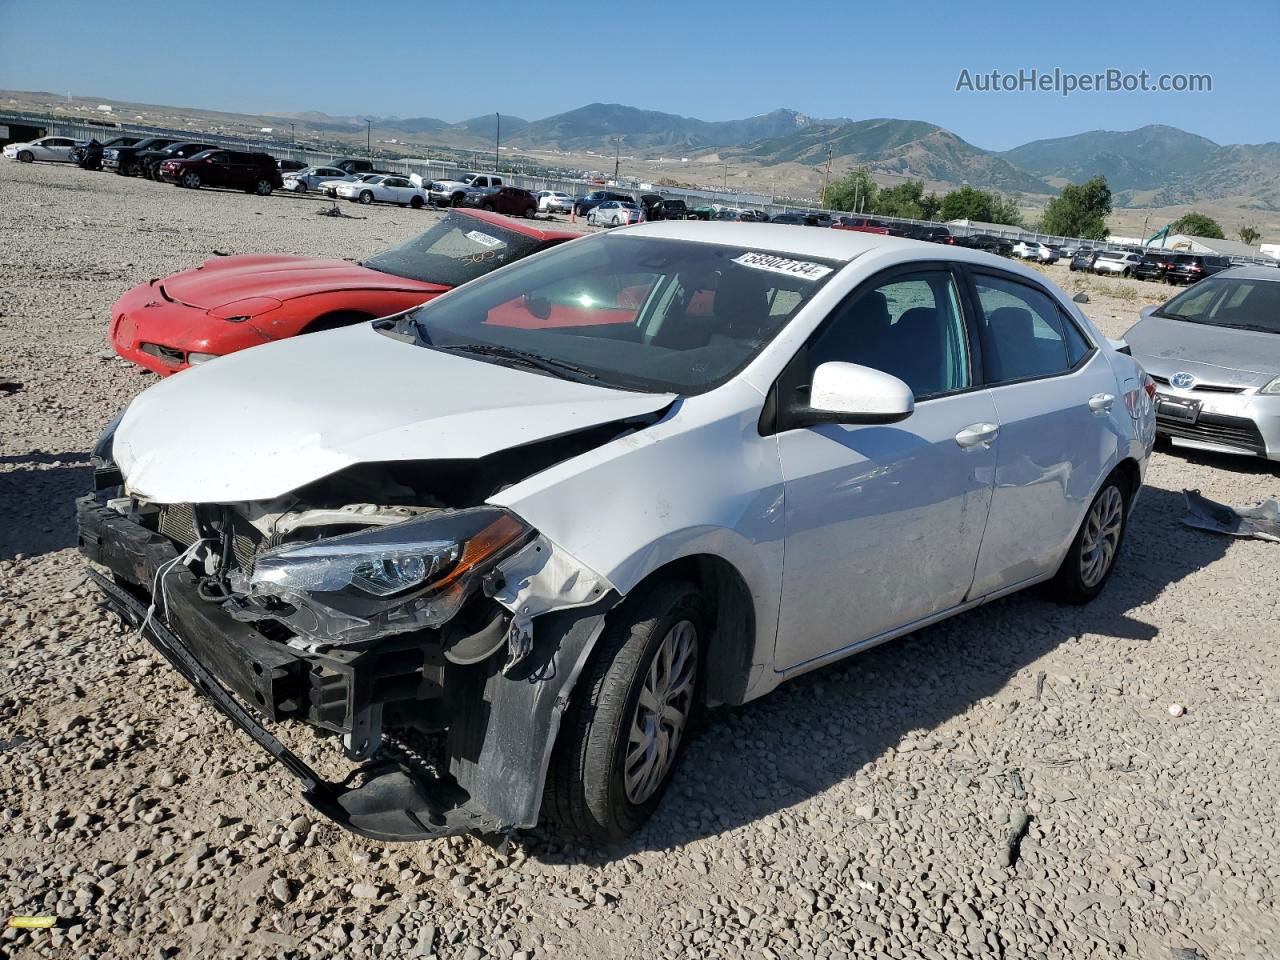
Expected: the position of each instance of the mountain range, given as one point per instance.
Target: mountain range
(1153, 166)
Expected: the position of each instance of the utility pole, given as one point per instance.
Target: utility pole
(368, 131)
(497, 134)
(725, 187)
(617, 157)
(293, 141)
(826, 178)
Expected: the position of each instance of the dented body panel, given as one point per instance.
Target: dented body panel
(291, 413)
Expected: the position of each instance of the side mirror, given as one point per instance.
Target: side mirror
(1149, 309)
(851, 393)
(539, 307)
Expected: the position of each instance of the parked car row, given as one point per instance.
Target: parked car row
(1163, 266)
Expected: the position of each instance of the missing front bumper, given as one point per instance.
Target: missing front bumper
(382, 799)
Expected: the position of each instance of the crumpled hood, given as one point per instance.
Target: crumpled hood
(1236, 357)
(216, 283)
(262, 422)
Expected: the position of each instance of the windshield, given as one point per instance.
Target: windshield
(1242, 303)
(457, 249)
(639, 312)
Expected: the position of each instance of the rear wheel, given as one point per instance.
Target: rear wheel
(629, 719)
(366, 196)
(191, 180)
(1092, 555)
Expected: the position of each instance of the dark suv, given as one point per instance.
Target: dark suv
(148, 161)
(1190, 267)
(251, 172)
(658, 208)
(124, 160)
(513, 201)
(584, 205)
(1153, 266)
(1083, 259)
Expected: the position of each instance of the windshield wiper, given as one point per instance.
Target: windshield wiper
(524, 357)
(1256, 327)
(1181, 316)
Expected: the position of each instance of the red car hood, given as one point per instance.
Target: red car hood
(216, 283)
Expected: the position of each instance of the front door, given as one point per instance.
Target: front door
(883, 523)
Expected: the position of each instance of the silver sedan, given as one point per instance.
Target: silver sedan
(1214, 353)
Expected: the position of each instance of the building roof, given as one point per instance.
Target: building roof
(1227, 248)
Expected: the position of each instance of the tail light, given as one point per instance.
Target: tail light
(1196, 268)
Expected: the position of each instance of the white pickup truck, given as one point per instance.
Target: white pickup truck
(448, 193)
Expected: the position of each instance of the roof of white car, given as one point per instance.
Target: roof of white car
(776, 237)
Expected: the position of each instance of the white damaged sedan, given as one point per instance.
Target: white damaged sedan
(507, 545)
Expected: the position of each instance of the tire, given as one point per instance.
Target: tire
(456, 200)
(263, 187)
(190, 180)
(614, 222)
(25, 156)
(416, 203)
(366, 196)
(487, 206)
(590, 794)
(530, 213)
(1092, 555)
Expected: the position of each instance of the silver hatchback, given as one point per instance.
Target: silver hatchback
(1214, 353)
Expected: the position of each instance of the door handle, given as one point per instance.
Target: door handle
(1101, 402)
(978, 434)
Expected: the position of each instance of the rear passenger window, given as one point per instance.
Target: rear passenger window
(1022, 331)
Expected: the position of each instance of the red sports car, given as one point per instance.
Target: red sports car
(230, 303)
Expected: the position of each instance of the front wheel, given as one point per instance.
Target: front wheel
(366, 196)
(530, 213)
(416, 203)
(25, 156)
(264, 187)
(1092, 555)
(191, 180)
(614, 222)
(629, 718)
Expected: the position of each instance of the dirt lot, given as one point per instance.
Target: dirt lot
(862, 811)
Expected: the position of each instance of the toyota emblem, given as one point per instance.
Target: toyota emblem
(1182, 380)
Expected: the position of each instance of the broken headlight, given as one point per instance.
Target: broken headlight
(405, 576)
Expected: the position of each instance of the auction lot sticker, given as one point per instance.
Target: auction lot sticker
(803, 269)
(483, 238)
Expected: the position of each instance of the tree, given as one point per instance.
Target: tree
(1080, 210)
(853, 189)
(968, 203)
(1250, 234)
(1198, 225)
(929, 206)
(904, 200)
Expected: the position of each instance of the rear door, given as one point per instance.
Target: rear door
(1059, 417)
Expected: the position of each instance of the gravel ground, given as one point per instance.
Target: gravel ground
(862, 811)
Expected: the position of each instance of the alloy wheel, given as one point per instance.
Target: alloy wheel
(1101, 536)
(662, 712)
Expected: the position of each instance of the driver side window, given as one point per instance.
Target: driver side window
(910, 326)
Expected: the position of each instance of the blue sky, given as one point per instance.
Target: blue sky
(715, 61)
